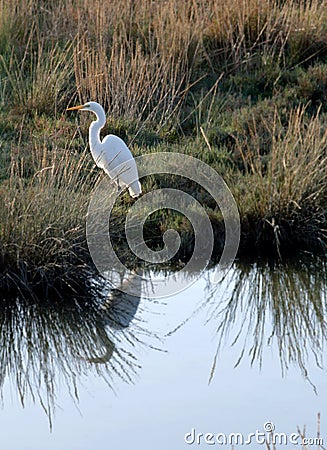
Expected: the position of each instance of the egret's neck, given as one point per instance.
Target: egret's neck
(95, 127)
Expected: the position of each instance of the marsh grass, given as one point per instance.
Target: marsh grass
(290, 181)
(37, 82)
(142, 60)
(240, 85)
(42, 223)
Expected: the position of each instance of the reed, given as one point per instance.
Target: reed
(240, 85)
(286, 188)
(141, 59)
(42, 233)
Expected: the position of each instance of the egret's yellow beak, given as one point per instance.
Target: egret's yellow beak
(75, 107)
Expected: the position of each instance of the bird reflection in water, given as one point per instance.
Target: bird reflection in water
(47, 341)
(117, 311)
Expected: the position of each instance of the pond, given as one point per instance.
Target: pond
(242, 356)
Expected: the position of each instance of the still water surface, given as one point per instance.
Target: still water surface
(136, 375)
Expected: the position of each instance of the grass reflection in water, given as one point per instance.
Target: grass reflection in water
(273, 304)
(51, 344)
(256, 307)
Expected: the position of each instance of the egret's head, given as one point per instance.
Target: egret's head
(85, 107)
(88, 106)
(93, 107)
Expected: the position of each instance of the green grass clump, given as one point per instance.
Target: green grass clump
(283, 195)
(42, 237)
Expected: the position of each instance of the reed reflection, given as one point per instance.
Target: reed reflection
(265, 305)
(45, 342)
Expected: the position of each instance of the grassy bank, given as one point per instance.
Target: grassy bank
(241, 86)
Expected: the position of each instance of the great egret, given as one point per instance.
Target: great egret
(111, 154)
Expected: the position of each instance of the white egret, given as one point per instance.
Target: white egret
(111, 154)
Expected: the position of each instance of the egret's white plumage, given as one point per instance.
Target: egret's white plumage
(111, 154)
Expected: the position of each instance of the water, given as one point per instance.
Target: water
(138, 377)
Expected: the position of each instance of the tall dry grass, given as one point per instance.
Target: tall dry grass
(37, 81)
(286, 189)
(42, 236)
(146, 62)
(140, 59)
(270, 27)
